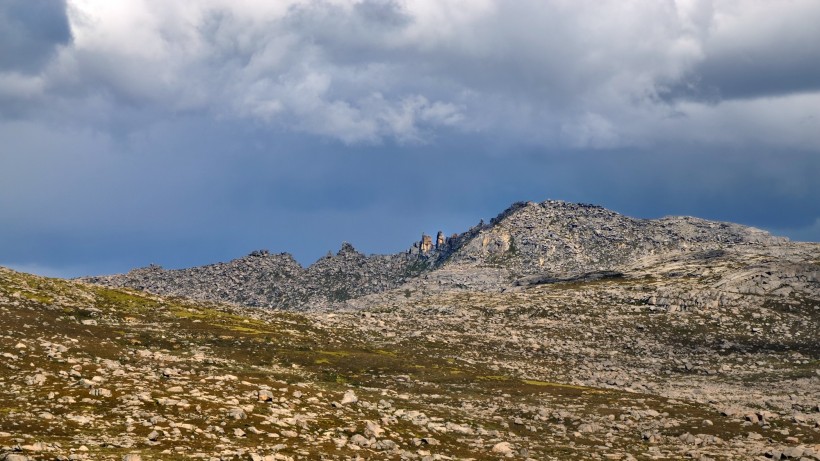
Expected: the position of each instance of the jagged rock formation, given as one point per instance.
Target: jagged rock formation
(549, 240)
(426, 244)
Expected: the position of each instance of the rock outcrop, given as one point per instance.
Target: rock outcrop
(426, 244)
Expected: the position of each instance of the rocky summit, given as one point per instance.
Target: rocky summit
(555, 331)
(552, 238)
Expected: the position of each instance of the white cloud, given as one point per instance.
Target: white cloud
(583, 74)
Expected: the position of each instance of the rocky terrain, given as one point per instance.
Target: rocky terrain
(270, 280)
(556, 331)
(553, 237)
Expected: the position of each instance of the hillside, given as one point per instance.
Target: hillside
(556, 331)
(566, 370)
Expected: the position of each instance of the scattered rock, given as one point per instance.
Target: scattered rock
(503, 448)
(349, 398)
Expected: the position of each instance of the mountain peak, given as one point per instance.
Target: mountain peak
(526, 239)
(347, 249)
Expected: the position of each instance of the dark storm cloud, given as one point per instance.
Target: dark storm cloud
(750, 76)
(766, 50)
(30, 32)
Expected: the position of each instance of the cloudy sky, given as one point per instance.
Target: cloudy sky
(183, 133)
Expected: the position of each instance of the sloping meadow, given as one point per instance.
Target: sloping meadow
(98, 373)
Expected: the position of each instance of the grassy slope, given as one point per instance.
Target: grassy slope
(132, 343)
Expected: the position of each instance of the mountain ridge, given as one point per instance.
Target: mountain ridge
(527, 239)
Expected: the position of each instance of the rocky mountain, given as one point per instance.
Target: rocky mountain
(555, 331)
(549, 239)
(561, 237)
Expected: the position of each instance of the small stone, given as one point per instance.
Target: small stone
(502, 448)
(36, 380)
(37, 446)
(349, 397)
(373, 430)
(359, 440)
(100, 392)
(384, 445)
(169, 372)
(589, 427)
(793, 452)
(236, 413)
(15, 457)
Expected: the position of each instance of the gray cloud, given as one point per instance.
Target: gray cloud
(755, 49)
(579, 75)
(30, 32)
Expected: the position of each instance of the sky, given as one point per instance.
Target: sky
(184, 133)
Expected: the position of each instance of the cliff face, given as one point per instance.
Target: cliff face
(528, 241)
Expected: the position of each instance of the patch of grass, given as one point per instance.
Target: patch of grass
(37, 297)
(533, 382)
(335, 353)
(242, 329)
(492, 378)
